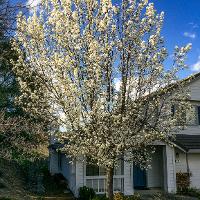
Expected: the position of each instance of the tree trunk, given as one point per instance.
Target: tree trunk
(110, 173)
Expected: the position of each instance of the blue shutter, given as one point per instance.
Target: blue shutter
(173, 110)
(198, 110)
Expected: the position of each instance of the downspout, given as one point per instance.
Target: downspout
(187, 163)
(188, 168)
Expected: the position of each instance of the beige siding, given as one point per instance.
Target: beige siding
(195, 90)
(181, 165)
(194, 166)
(79, 175)
(191, 130)
(193, 159)
(170, 170)
(53, 162)
(128, 178)
(155, 173)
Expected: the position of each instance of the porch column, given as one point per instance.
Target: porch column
(79, 182)
(169, 169)
(128, 178)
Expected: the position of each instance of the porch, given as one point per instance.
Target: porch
(95, 177)
(161, 176)
(128, 178)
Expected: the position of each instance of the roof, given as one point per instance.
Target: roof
(192, 77)
(184, 81)
(188, 142)
(173, 86)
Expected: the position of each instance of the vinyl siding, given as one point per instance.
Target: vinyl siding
(79, 171)
(194, 88)
(170, 170)
(128, 178)
(155, 173)
(68, 172)
(53, 162)
(67, 168)
(191, 130)
(193, 159)
(194, 166)
(181, 165)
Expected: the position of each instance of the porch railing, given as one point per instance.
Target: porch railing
(98, 183)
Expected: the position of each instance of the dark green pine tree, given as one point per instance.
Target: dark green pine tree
(20, 135)
(8, 84)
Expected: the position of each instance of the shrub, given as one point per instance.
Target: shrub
(2, 185)
(183, 182)
(86, 193)
(193, 192)
(136, 196)
(118, 196)
(158, 196)
(100, 197)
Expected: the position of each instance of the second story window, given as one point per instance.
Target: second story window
(198, 112)
(192, 117)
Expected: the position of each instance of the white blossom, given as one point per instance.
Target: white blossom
(76, 54)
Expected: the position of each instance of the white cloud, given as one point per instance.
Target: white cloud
(190, 35)
(194, 25)
(196, 66)
(117, 83)
(33, 4)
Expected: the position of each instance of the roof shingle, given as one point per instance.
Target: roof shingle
(188, 141)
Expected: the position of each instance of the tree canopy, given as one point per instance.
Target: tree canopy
(19, 134)
(77, 52)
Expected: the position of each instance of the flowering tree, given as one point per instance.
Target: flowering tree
(97, 70)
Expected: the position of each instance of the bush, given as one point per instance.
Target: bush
(193, 192)
(136, 196)
(2, 185)
(100, 197)
(159, 196)
(183, 181)
(86, 193)
(118, 196)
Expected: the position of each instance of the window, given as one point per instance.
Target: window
(192, 117)
(198, 114)
(173, 110)
(119, 170)
(94, 170)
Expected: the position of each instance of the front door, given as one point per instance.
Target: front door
(139, 178)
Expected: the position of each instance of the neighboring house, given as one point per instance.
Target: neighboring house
(167, 160)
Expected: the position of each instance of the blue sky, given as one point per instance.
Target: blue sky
(181, 26)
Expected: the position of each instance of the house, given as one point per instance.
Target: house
(167, 161)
